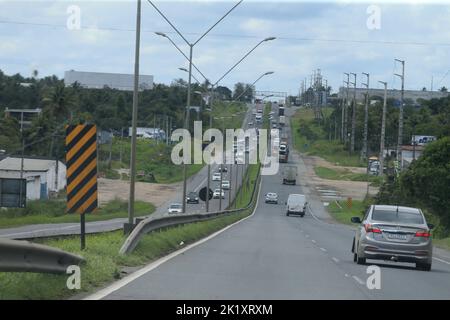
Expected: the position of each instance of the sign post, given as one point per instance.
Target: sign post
(81, 161)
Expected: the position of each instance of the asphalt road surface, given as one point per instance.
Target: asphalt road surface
(272, 256)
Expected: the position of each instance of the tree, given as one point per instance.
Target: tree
(428, 179)
(224, 93)
(239, 89)
(443, 89)
(60, 102)
(9, 135)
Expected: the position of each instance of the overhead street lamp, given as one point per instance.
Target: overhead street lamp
(213, 86)
(186, 70)
(253, 84)
(191, 49)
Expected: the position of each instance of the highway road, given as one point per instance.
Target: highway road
(272, 256)
(195, 183)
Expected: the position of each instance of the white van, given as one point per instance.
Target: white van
(296, 204)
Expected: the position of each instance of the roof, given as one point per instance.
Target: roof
(14, 164)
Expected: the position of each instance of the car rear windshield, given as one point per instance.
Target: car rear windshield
(397, 217)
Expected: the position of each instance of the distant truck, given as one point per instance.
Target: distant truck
(282, 121)
(283, 153)
(281, 111)
(290, 175)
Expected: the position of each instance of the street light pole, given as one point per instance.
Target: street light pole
(186, 124)
(191, 47)
(345, 109)
(134, 119)
(364, 150)
(352, 141)
(383, 128)
(400, 117)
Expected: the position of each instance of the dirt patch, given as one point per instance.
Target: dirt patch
(148, 192)
(319, 162)
(345, 189)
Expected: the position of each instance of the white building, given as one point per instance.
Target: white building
(149, 133)
(43, 176)
(97, 80)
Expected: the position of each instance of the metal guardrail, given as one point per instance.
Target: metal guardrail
(24, 256)
(152, 223)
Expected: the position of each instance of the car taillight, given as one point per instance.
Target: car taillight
(369, 228)
(423, 234)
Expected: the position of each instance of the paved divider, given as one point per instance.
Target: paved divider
(152, 223)
(24, 256)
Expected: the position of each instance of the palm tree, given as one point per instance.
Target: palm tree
(60, 102)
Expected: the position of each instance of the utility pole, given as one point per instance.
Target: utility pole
(400, 117)
(352, 141)
(383, 129)
(134, 121)
(342, 113)
(345, 108)
(365, 150)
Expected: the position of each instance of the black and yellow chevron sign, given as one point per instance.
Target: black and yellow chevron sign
(81, 162)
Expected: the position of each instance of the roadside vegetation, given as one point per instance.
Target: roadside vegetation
(54, 211)
(424, 184)
(310, 137)
(104, 264)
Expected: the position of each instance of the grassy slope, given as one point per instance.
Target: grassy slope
(345, 214)
(333, 151)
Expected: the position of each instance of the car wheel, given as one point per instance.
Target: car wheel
(423, 266)
(287, 213)
(359, 260)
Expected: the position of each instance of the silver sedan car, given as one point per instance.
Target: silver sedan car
(393, 233)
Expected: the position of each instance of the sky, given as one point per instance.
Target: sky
(335, 36)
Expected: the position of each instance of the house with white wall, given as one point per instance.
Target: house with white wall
(43, 176)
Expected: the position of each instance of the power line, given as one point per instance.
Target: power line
(224, 35)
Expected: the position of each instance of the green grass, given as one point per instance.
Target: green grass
(104, 264)
(154, 159)
(442, 243)
(233, 114)
(345, 214)
(310, 138)
(54, 211)
(245, 193)
(345, 174)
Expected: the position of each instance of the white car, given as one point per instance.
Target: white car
(225, 185)
(216, 194)
(175, 208)
(216, 176)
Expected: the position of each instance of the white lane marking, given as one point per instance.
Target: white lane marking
(358, 280)
(440, 260)
(314, 241)
(323, 249)
(347, 275)
(135, 275)
(335, 259)
(307, 235)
